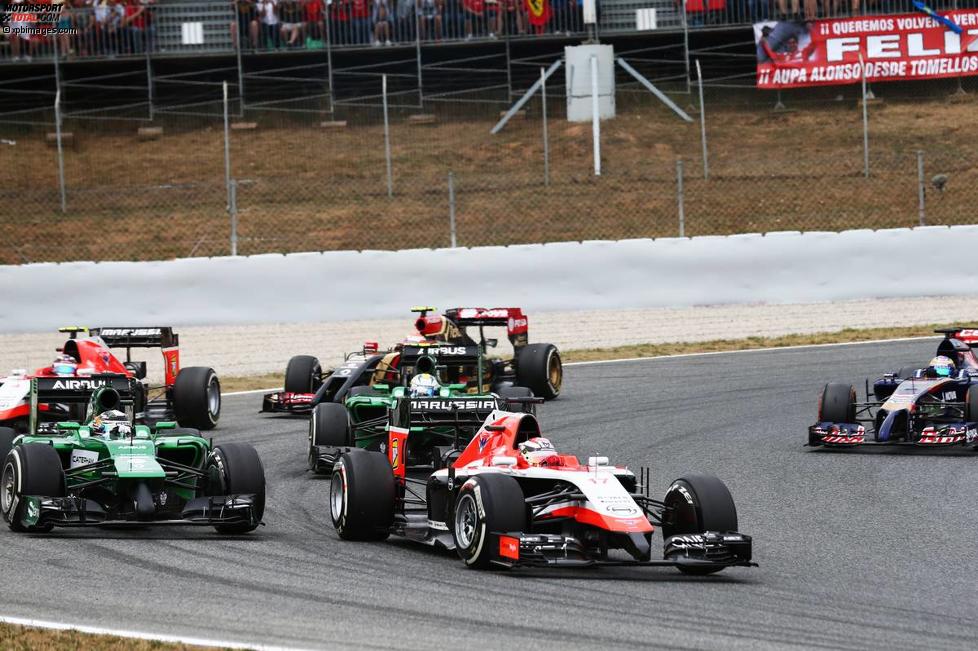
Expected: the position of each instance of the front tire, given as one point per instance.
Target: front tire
(361, 496)
(303, 374)
(329, 426)
(197, 397)
(486, 503)
(696, 504)
(31, 469)
(236, 469)
(837, 404)
(539, 367)
(971, 404)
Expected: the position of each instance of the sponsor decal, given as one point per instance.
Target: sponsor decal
(484, 404)
(437, 526)
(395, 454)
(75, 385)
(509, 547)
(621, 510)
(971, 434)
(130, 332)
(82, 458)
(950, 396)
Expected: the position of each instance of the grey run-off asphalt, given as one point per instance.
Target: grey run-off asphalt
(855, 550)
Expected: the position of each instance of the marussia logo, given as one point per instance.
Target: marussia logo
(73, 385)
(448, 405)
(130, 332)
(483, 439)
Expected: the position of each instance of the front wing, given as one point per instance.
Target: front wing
(81, 512)
(284, 402)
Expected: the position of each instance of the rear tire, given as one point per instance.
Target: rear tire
(236, 469)
(303, 374)
(7, 436)
(837, 404)
(329, 425)
(31, 469)
(361, 496)
(498, 505)
(538, 366)
(696, 504)
(197, 397)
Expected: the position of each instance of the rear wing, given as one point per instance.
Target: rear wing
(162, 337)
(512, 318)
(441, 353)
(442, 411)
(76, 390)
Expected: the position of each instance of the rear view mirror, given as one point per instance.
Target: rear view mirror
(491, 343)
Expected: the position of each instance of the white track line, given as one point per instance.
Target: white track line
(703, 354)
(137, 635)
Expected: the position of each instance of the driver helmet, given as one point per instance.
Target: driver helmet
(424, 385)
(943, 366)
(111, 424)
(539, 451)
(64, 365)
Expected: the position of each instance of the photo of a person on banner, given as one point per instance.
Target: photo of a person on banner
(784, 42)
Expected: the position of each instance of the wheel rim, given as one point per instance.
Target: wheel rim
(466, 519)
(336, 490)
(213, 397)
(7, 487)
(555, 371)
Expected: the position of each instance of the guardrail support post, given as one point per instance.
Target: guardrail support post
(546, 139)
(387, 140)
(61, 156)
(233, 210)
(706, 160)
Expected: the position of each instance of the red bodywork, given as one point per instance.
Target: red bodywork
(446, 327)
(501, 441)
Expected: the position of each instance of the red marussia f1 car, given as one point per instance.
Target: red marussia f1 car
(537, 367)
(496, 508)
(191, 395)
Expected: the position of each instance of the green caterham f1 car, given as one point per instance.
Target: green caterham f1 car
(108, 470)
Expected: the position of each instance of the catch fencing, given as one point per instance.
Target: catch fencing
(296, 168)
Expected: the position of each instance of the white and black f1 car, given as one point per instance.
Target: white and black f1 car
(496, 509)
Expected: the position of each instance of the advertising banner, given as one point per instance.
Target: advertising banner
(890, 48)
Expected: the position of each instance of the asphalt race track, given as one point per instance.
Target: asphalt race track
(855, 550)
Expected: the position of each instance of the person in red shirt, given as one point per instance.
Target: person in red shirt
(134, 26)
(314, 20)
(360, 13)
(475, 12)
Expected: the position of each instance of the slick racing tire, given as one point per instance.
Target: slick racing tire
(971, 404)
(236, 469)
(303, 374)
(197, 397)
(361, 496)
(695, 504)
(329, 425)
(7, 436)
(486, 503)
(31, 469)
(538, 366)
(837, 404)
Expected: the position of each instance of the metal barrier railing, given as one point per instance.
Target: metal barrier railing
(118, 28)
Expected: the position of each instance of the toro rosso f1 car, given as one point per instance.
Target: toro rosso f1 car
(495, 508)
(437, 423)
(935, 406)
(190, 395)
(107, 469)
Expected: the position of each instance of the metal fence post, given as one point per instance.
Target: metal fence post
(920, 187)
(706, 161)
(680, 197)
(329, 65)
(61, 156)
(546, 139)
(595, 116)
(417, 53)
(862, 69)
(149, 85)
(686, 47)
(387, 140)
(451, 209)
(227, 146)
(233, 211)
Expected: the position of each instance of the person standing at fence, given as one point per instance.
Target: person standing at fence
(133, 26)
(510, 12)
(245, 33)
(475, 17)
(315, 25)
(360, 15)
(339, 21)
(382, 22)
(268, 17)
(83, 20)
(108, 17)
(405, 20)
(290, 15)
(429, 12)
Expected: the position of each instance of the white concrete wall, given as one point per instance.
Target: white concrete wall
(777, 268)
